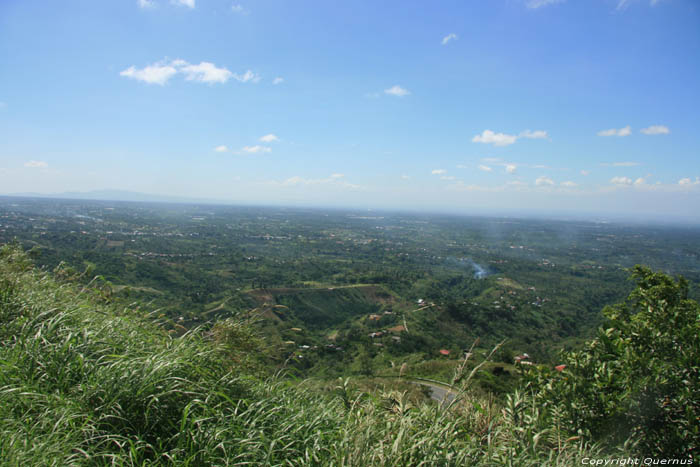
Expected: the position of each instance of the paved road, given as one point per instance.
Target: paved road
(438, 393)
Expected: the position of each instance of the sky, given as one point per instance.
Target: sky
(469, 106)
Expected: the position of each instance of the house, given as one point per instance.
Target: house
(523, 359)
(374, 317)
(560, 367)
(444, 352)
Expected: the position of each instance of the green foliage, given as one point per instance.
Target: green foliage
(638, 382)
(85, 383)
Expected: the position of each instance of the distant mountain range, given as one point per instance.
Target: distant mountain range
(119, 195)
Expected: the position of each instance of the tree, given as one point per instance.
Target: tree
(638, 381)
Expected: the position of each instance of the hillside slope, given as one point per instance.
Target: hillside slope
(86, 383)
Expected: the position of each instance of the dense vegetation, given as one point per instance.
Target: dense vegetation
(148, 334)
(322, 282)
(86, 382)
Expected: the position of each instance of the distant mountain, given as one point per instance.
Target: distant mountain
(119, 195)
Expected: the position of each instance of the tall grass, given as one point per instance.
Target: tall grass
(83, 382)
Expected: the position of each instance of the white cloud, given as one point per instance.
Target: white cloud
(187, 3)
(537, 134)
(450, 37)
(206, 72)
(511, 168)
(278, 80)
(656, 130)
(640, 181)
(497, 139)
(569, 184)
(439, 172)
(247, 76)
(405, 177)
(485, 168)
(397, 91)
(269, 138)
(37, 164)
(687, 182)
(146, 3)
(533, 4)
(257, 149)
(626, 131)
(221, 148)
(503, 139)
(621, 181)
(238, 8)
(585, 172)
(447, 177)
(158, 73)
(620, 164)
(622, 4)
(544, 181)
(333, 180)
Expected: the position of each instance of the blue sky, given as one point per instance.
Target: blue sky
(468, 106)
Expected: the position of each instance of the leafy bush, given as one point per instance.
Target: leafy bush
(638, 382)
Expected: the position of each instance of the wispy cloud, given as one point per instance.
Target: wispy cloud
(405, 177)
(656, 130)
(544, 181)
(569, 184)
(504, 139)
(278, 80)
(397, 91)
(36, 164)
(534, 4)
(257, 149)
(450, 37)
(146, 3)
(485, 168)
(537, 134)
(447, 177)
(221, 148)
(687, 182)
(438, 171)
(511, 168)
(248, 76)
(204, 72)
(336, 179)
(626, 131)
(622, 4)
(624, 181)
(620, 164)
(238, 8)
(269, 138)
(585, 172)
(187, 3)
(157, 73)
(497, 139)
